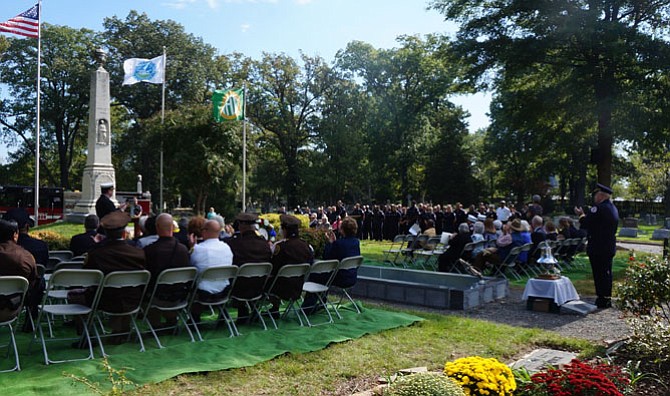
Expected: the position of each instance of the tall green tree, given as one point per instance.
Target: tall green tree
(65, 70)
(404, 86)
(284, 100)
(192, 71)
(202, 164)
(604, 45)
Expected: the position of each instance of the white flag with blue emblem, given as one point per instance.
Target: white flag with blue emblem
(144, 70)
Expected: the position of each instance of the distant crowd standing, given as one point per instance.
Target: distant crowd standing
(384, 222)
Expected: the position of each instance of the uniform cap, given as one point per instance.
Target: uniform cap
(115, 220)
(472, 219)
(106, 186)
(481, 217)
(248, 218)
(603, 188)
(289, 220)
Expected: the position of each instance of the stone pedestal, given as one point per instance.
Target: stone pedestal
(99, 168)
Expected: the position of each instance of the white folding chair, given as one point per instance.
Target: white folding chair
(249, 288)
(66, 279)
(291, 275)
(12, 295)
(391, 254)
(114, 281)
(181, 283)
(347, 264)
(214, 274)
(319, 290)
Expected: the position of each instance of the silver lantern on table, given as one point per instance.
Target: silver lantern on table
(548, 261)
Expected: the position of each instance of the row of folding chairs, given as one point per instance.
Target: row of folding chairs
(59, 256)
(257, 300)
(414, 251)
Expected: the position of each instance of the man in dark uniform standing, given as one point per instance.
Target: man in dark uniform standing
(601, 223)
(104, 204)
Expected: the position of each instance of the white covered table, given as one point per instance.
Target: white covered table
(559, 290)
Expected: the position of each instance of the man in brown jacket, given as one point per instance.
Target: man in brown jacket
(115, 254)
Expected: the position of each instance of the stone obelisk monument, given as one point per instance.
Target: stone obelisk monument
(98, 169)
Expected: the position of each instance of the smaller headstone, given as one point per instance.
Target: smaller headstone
(652, 220)
(579, 307)
(628, 232)
(647, 219)
(540, 359)
(666, 223)
(660, 234)
(630, 222)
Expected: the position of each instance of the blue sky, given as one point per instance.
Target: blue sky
(317, 27)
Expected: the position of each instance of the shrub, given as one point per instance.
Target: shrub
(578, 379)
(644, 296)
(482, 376)
(55, 240)
(424, 384)
(315, 237)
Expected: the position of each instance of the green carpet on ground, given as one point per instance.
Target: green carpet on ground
(217, 352)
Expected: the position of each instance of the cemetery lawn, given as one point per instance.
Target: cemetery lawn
(353, 366)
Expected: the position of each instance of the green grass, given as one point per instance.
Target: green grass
(353, 366)
(66, 229)
(338, 368)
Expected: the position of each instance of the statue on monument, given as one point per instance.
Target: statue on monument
(103, 132)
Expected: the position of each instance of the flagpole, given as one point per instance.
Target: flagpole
(160, 210)
(37, 127)
(244, 151)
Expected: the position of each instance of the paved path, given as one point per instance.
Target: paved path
(640, 247)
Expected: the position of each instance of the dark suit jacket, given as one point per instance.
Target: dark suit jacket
(39, 249)
(601, 223)
(82, 243)
(116, 255)
(163, 254)
(291, 251)
(104, 206)
(248, 248)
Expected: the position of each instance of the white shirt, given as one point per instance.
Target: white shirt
(210, 253)
(503, 213)
(147, 240)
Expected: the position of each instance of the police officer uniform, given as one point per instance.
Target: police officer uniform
(104, 205)
(290, 250)
(601, 223)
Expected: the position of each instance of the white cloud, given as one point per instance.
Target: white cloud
(213, 4)
(178, 4)
(245, 27)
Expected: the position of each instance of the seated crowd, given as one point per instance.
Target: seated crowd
(207, 243)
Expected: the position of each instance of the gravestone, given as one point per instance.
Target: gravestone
(99, 168)
(628, 232)
(541, 359)
(660, 234)
(630, 222)
(666, 223)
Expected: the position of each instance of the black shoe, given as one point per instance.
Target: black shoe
(603, 303)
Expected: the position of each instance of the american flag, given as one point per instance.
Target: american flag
(24, 24)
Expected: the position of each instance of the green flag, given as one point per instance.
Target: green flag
(228, 105)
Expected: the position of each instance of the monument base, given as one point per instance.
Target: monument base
(76, 217)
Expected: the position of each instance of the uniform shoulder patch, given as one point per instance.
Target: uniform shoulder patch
(594, 209)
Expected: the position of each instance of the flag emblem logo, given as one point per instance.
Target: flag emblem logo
(228, 105)
(145, 70)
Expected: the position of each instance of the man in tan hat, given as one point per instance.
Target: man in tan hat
(115, 254)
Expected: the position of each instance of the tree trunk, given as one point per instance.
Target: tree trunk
(605, 98)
